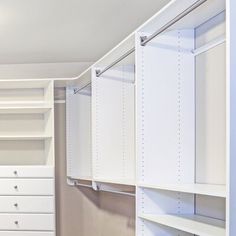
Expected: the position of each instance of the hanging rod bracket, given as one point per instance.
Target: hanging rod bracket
(97, 72)
(142, 39)
(95, 186)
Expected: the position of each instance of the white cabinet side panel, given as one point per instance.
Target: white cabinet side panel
(231, 117)
(113, 127)
(165, 109)
(78, 135)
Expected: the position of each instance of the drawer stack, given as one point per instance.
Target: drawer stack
(27, 201)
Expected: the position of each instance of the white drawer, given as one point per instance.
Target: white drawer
(26, 204)
(26, 172)
(22, 233)
(24, 222)
(26, 187)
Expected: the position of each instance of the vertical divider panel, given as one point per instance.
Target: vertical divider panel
(113, 126)
(165, 126)
(231, 117)
(78, 121)
(166, 109)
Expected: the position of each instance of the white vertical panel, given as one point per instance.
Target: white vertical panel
(78, 119)
(231, 116)
(113, 126)
(165, 110)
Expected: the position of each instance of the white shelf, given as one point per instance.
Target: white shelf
(194, 224)
(24, 137)
(24, 109)
(203, 189)
(22, 103)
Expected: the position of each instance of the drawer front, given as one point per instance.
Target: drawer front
(24, 204)
(17, 233)
(26, 172)
(26, 187)
(24, 222)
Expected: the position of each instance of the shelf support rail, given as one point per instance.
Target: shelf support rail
(144, 39)
(100, 72)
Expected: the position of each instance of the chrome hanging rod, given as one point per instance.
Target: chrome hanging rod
(83, 185)
(76, 183)
(118, 192)
(79, 89)
(145, 39)
(100, 72)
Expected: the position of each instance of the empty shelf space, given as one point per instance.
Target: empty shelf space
(194, 224)
(24, 137)
(204, 189)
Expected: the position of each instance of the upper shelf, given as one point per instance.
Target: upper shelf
(203, 189)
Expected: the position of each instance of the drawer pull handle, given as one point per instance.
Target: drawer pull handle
(16, 205)
(15, 172)
(16, 223)
(16, 187)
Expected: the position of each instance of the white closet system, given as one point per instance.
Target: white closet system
(180, 65)
(27, 204)
(156, 114)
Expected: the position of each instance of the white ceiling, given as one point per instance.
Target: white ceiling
(46, 31)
